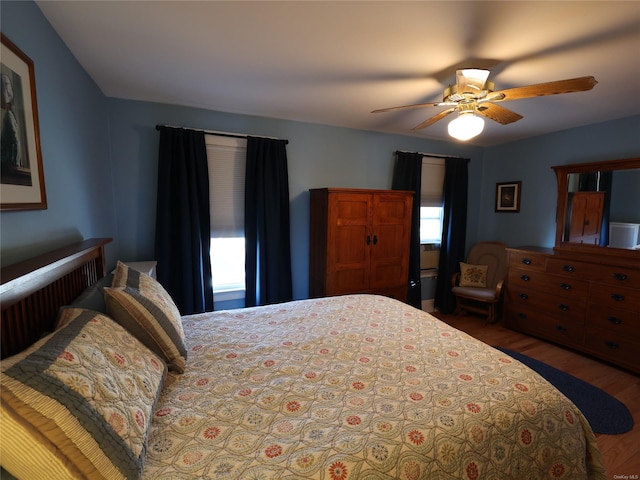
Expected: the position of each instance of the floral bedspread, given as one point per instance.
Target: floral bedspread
(358, 387)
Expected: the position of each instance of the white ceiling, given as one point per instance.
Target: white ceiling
(332, 62)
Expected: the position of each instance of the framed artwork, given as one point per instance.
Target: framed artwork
(508, 196)
(21, 175)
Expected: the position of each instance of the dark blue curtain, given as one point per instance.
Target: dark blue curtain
(407, 175)
(454, 228)
(183, 233)
(266, 223)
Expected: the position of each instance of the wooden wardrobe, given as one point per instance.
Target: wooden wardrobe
(359, 242)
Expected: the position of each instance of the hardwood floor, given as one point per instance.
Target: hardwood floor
(621, 453)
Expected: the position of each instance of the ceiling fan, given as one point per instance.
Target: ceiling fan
(473, 94)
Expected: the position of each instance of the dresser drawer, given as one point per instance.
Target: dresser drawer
(530, 320)
(624, 322)
(622, 276)
(615, 297)
(614, 347)
(529, 279)
(560, 306)
(528, 260)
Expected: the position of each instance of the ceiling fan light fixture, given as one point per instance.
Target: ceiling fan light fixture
(466, 126)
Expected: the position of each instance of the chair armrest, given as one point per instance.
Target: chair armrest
(454, 279)
(499, 288)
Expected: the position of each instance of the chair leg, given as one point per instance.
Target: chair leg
(459, 310)
(492, 313)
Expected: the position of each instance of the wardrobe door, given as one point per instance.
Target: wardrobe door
(391, 234)
(586, 217)
(349, 240)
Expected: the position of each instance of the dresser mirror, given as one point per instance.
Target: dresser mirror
(599, 207)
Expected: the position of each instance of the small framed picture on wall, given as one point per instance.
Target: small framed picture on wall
(508, 196)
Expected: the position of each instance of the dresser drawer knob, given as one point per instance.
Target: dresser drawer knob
(561, 328)
(568, 268)
(612, 345)
(620, 276)
(524, 296)
(614, 320)
(617, 297)
(563, 307)
(526, 278)
(526, 261)
(522, 315)
(565, 286)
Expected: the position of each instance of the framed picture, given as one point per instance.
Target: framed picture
(508, 196)
(21, 174)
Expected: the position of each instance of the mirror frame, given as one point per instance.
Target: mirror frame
(562, 172)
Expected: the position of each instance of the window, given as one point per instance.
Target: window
(431, 211)
(430, 224)
(226, 160)
(227, 264)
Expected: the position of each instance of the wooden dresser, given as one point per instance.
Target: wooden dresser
(359, 242)
(588, 302)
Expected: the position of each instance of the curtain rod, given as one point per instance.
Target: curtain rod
(435, 155)
(221, 134)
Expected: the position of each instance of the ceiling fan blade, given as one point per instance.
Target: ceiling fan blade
(580, 84)
(434, 119)
(498, 114)
(417, 105)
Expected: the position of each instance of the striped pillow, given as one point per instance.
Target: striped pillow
(141, 305)
(124, 276)
(79, 402)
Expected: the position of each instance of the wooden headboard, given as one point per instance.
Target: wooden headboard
(32, 292)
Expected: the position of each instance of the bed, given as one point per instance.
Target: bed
(348, 387)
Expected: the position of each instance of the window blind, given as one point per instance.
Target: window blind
(226, 158)
(432, 182)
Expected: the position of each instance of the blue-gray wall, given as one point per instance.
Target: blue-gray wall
(74, 136)
(100, 154)
(625, 196)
